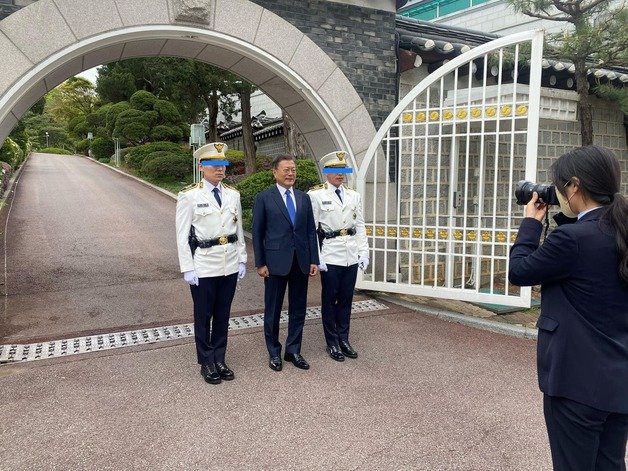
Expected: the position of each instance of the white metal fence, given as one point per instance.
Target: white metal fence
(438, 179)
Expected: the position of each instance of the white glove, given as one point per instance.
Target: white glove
(241, 271)
(363, 263)
(322, 266)
(190, 277)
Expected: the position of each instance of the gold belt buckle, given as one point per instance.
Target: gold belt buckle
(343, 232)
(222, 240)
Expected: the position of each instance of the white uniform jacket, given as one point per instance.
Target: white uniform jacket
(197, 207)
(334, 215)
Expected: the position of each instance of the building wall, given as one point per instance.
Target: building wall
(361, 41)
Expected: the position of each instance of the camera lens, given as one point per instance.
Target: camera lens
(524, 190)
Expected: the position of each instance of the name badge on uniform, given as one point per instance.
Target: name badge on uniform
(202, 205)
(326, 202)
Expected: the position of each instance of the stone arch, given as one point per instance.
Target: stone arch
(51, 40)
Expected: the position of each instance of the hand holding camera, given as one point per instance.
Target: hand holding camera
(535, 208)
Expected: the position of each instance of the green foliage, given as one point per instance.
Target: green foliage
(168, 113)
(82, 146)
(20, 137)
(164, 165)
(135, 156)
(307, 177)
(74, 97)
(11, 153)
(112, 113)
(143, 100)
(613, 94)
(54, 150)
(252, 185)
(102, 148)
(133, 126)
(236, 162)
(162, 132)
(115, 83)
(307, 174)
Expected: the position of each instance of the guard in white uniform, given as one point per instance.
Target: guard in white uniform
(343, 247)
(212, 256)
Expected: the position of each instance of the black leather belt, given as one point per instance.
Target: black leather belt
(341, 232)
(222, 240)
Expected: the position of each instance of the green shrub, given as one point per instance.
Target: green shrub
(133, 126)
(307, 177)
(11, 153)
(143, 100)
(252, 185)
(236, 162)
(176, 166)
(136, 155)
(307, 174)
(166, 133)
(82, 146)
(54, 150)
(168, 112)
(102, 148)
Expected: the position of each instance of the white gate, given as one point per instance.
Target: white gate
(438, 179)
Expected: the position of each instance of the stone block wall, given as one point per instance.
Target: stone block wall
(361, 41)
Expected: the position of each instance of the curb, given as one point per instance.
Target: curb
(484, 324)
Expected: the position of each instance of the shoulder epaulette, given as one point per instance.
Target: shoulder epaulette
(318, 187)
(230, 187)
(192, 186)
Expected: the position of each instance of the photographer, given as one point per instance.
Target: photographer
(582, 352)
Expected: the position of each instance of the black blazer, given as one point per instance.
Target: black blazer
(276, 240)
(583, 327)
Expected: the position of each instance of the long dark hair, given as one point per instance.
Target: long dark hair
(599, 173)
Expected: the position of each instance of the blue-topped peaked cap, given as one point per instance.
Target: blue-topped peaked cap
(335, 162)
(212, 154)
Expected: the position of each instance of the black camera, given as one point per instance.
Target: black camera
(524, 190)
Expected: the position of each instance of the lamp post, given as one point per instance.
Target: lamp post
(47, 136)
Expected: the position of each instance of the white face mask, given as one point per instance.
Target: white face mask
(564, 205)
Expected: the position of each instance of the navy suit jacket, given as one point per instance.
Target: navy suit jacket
(276, 240)
(583, 326)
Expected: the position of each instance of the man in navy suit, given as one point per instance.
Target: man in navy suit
(286, 254)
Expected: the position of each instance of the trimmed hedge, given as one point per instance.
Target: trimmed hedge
(307, 177)
(54, 150)
(102, 148)
(135, 156)
(176, 166)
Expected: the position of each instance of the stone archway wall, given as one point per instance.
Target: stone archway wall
(50, 40)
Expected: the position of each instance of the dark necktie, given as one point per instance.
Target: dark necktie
(338, 193)
(290, 206)
(217, 195)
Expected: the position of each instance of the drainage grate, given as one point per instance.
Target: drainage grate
(97, 343)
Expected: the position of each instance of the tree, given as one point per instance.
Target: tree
(115, 83)
(294, 140)
(596, 36)
(244, 90)
(76, 96)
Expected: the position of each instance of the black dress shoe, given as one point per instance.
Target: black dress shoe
(224, 371)
(347, 349)
(335, 353)
(297, 360)
(210, 375)
(275, 363)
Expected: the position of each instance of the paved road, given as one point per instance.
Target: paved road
(92, 251)
(424, 394)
